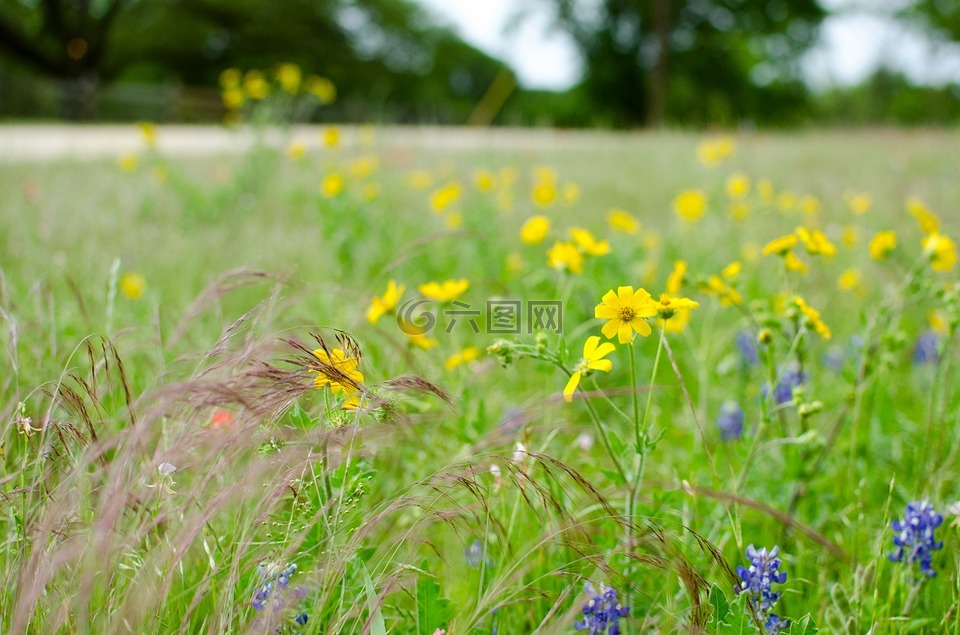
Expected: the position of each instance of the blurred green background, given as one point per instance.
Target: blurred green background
(690, 63)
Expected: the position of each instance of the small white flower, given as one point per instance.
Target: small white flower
(585, 441)
(166, 469)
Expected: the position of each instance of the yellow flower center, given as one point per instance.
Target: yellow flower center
(627, 313)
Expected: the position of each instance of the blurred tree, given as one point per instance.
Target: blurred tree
(942, 15)
(695, 61)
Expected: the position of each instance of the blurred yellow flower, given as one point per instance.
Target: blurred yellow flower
(446, 291)
(420, 180)
(667, 307)
(422, 341)
(330, 137)
(586, 242)
(233, 98)
(622, 221)
(148, 131)
(507, 176)
(129, 162)
(132, 285)
(332, 185)
(466, 355)
(289, 77)
(363, 167)
(505, 201)
(370, 192)
(230, 78)
(750, 252)
(765, 191)
(380, 305)
(739, 210)
(565, 255)
(690, 204)
(793, 263)
(780, 246)
(453, 220)
(535, 230)
(516, 263)
(571, 193)
(367, 135)
(882, 244)
(849, 280)
(593, 359)
(732, 271)
(652, 241)
(677, 277)
(255, 86)
(941, 250)
(810, 205)
(712, 152)
(939, 322)
(860, 203)
(340, 373)
(445, 197)
(786, 201)
(625, 312)
(738, 185)
(816, 242)
(929, 223)
(849, 235)
(814, 318)
(296, 149)
(544, 193)
(484, 180)
(715, 285)
(321, 88)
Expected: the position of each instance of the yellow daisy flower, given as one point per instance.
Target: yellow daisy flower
(941, 250)
(780, 246)
(593, 359)
(690, 204)
(565, 255)
(622, 221)
(535, 230)
(446, 291)
(816, 242)
(667, 307)
(132, 285)
(625, 312)
(882, 244)
(466, 355)
(340, 373)
(816, 322)
(387, 302)
(590, 245)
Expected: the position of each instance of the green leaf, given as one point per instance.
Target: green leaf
(804, 626)
(377, 625)
(433, 611)
(721, 607)
(299, 418)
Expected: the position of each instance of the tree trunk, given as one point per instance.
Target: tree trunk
(660, 71)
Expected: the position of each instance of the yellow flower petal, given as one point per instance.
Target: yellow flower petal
(571, 386)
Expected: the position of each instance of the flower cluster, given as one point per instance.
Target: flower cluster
(730, 421)
(274, 592)
(602, 612)
(915, 539)
(791, 378)
(757, 582)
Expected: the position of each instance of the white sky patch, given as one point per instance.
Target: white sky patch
(853, 44)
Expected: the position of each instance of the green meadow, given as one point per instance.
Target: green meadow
(196, 395)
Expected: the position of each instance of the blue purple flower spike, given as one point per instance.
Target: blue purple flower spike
(274, 593)
(914, 537)
(730, 421)
(602, 612)
(757, 582)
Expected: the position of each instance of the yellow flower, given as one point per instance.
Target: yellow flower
(780, 246)
(590, 245)
(786, 201)
(849, 235)
(750, 252)
(860, 203)
(296, 149)
(593, 359)
(676, 278)
(625, 312)
(255, 86)
(765, 190)
(453, 220)
(133, 285)
(667, 307)
(622, 221)
(739, 210)
(727, 295)
(421, 341)
(230, 78)
(385, 303)
(565, 255)
(363, 167)
(810, 205)
(149, 132)
(882, 244)
(544, 193)
(816, 242)
(420, 180)
(652, 241)
(370, 192)
(505, 201)
(690, 204)
(340, 373)
(738, 185)
(330, 137)
(485, 180)
(446, 291)
(941, 251)
(445, 197)
(535, 230)
(929, 223)
(849, 280)
(321, 88)
(466, 355)
(129, 162)
(712, 152)
(793, 263)
(289, 77)
(233, 98)
(515, 263)
(332, 185)
(571, 193)
(508, 175)
(367, 135)
(939, 323)
(813, 316)
(731, 271)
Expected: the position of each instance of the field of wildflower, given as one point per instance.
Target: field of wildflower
(607, 383)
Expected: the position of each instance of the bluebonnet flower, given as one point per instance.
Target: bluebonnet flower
(790, 378)
(747, 346)
(475, 555)
(602, 612)
(915, 539)
(926, 350)
(274, 592)
(730, 421)
(757, 582)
